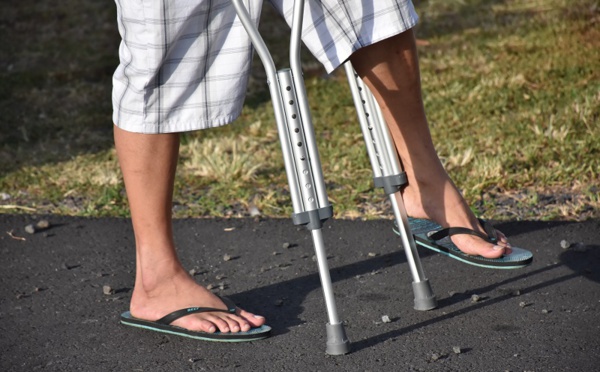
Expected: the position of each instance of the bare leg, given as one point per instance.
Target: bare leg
(162, 285)
(390, 68)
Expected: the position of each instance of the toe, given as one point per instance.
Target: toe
(221, 324)
(252, 320)
(233, 323)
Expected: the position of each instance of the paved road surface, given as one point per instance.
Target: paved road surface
(54, 315)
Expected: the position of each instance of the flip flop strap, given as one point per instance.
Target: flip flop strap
(491, 236)
(170, 318)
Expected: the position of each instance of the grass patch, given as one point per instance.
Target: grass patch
(511, 88)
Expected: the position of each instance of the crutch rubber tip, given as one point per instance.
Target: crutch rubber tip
(337, 341)
(424, 297)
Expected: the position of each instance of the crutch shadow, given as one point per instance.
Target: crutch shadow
(581, 261)
(289, 296)
(371, 341)
(294, 292)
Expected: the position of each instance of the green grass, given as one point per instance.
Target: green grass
(511, 88)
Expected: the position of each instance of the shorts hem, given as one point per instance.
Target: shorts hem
(138, 126)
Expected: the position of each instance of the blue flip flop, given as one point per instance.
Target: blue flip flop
(430, 235)
(164, 325)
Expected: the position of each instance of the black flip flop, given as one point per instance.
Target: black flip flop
(430, 235)
(164, 325)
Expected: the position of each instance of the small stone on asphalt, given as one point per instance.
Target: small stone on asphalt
(386, 319)
(286, 245)
(42, 224)
(475, 298)
(564, 244)
(456, 349)
(30, 229)
(107, 290)
(226, 257)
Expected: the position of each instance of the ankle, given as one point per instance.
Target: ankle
(152, 281)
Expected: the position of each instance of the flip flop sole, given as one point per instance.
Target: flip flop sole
(254, 334)
(519, 257)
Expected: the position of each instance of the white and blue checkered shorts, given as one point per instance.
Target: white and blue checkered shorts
(184, 64)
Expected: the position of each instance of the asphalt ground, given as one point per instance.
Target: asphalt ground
(62, 290)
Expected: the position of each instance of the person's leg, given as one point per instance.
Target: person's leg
(390, 68)
(148, 163)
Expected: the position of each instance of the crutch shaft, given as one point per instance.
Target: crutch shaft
(302, 163)
(388, 174)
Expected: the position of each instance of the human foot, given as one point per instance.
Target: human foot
(442, 203)
(180, 291)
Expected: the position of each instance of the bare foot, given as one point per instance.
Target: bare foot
(442, 203)
(181, 291)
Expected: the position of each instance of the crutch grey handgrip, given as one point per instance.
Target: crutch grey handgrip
(389, 175)
(301, 157)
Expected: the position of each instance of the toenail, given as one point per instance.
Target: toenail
(497, 248)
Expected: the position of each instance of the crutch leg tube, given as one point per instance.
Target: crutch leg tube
(388, 174)
(303, 166)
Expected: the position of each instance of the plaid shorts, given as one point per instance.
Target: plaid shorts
(184, 64)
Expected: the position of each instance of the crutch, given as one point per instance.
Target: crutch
(388, 174)
(301, 157)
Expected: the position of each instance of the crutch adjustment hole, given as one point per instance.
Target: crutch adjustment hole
(288, 88)
(299, 144)
(297, 130)
(294, 116)
(291, 102)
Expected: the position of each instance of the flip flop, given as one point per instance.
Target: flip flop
(430, 235)
(164, 325)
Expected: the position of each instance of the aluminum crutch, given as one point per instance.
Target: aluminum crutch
(388, 174)
(301, 157)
